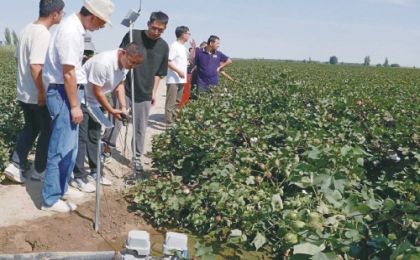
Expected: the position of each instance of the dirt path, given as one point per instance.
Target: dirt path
(25, 228)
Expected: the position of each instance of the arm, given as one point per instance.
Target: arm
(120, 94)
(155, 87)
(70, 85)
(191, 58)
(224, 64)
(99, 95)
(36, 73)
(226, 75)
(172, 66)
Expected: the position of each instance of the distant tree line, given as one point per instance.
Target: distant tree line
(366, 62)
(10, 37)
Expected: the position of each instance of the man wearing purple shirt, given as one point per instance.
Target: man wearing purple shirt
(209, 62)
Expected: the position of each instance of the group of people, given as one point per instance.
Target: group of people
(58, 87)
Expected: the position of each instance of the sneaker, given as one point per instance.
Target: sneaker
(73, 193)
(36, 176)
(59, 206)
(104, 181)
(83, 185)
(14, 173)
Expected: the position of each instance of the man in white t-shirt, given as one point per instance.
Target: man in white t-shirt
(105, 73)
(30, 54)
(177, 73)
(62, 73)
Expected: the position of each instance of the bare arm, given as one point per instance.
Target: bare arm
(99, 95)
(155, 87)
(120, 94)
(172, 66)
(224, 64)
(191, 58)
(70, 85)
(36, 73)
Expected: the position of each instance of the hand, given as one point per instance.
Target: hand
(153, 100)
(193, 44)
(181, 74)
(117, 113)
(76, 115)
(218, 69)
(41, 99)
(124, 110)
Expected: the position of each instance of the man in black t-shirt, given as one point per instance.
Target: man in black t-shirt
(146, 78)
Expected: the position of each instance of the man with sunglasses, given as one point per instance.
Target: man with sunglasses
(146, 79)
(105, 73)
(62, 73)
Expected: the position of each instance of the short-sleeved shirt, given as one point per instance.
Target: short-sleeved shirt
(178, 54)
(155, 63)
(32, 49)
(66, 48)
(207, 64)
(103, 71)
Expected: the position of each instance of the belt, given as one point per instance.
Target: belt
(55, 86)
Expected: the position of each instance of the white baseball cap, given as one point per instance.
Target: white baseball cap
(100, 8)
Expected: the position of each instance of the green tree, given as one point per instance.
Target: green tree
(15, 38)
(8, 36)
(366, 62)
(386, 63)
(333, 60)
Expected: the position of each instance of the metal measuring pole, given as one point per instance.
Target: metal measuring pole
(133, 114)
(128, 21)
(98, 186)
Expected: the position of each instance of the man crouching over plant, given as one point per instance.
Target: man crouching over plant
(105, 73)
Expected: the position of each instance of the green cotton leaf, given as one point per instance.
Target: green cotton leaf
(314, 153)
(373, 204)
(308, 249)
(259, 241)
(334, 198)
(324, 256)
(353, 235)
(345, 149)
(360, 161)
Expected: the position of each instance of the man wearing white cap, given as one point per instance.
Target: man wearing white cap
(62, 74)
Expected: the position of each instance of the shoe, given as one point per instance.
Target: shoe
(83, 185)
(138, 166)
(14, 173)
(36, 176)
(73, 193)
(104, 181)
(59, 206)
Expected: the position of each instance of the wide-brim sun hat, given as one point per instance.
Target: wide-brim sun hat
(101, 9)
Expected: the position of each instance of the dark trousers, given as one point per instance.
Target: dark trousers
(37, 123)
(89, 134)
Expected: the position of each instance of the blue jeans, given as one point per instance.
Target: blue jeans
(62, 149)
(37, 123)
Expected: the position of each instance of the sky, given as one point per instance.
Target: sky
(271, 29)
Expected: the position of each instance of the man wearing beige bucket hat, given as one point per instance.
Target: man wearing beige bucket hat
(62, 74)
